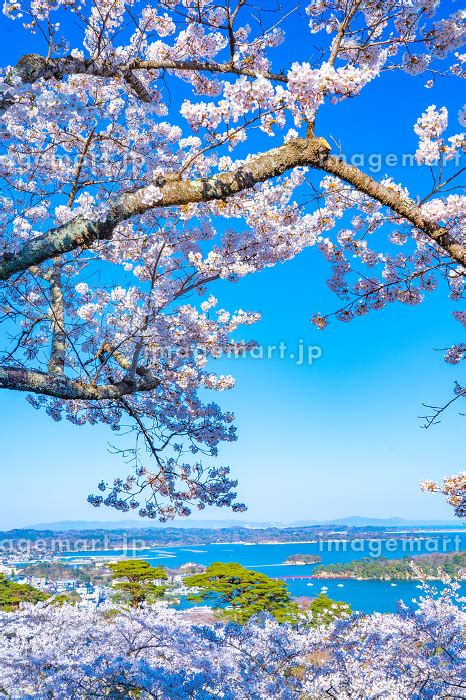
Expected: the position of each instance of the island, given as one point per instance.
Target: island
(302, 559)
(429, 566)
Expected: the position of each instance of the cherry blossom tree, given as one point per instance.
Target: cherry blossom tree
(150, 149)
(155, 652)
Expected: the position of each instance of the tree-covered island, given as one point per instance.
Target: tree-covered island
(302, 559)
(431, 566)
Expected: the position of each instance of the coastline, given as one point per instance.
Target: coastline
(328, 577)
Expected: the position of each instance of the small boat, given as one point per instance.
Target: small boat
(393, 584)
(340, 585)
(310, 584)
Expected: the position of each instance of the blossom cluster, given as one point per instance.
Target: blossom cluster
(453, 488)
(432, 148)
(157, 652)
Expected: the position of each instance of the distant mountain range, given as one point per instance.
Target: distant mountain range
(143, 524)
(352, 521)
(361, 521)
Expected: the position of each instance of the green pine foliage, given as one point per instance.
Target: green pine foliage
(13, 594)
(239, 593)
(136, 582)
(69, 598)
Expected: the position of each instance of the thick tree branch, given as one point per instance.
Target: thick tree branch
(33, 67)
(57, 304)
(61, 387)
(108, 351)
(172, 191)
(403, 206)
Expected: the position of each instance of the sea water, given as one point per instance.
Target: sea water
(365, 596)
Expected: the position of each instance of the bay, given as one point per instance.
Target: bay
(365, 596)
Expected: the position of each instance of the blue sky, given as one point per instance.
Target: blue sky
(340, 437)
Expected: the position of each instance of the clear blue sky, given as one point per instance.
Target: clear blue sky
(340, 437)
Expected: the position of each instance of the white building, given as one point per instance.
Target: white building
(7, 570)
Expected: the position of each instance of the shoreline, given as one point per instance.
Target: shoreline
(378, 578)
(153, 547)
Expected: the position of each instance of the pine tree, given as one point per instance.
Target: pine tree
(240, 593)
(137, 582)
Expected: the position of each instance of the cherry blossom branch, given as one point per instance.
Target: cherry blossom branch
(33, 67)
(344, 25)
(61, 387)
(58, 352)
(172, 191)
(403, 206)
(107, 352)
(434, 418)
(167, 192)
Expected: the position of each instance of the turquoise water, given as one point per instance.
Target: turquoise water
(366, 596)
